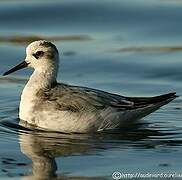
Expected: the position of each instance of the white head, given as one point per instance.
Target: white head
(42, 56)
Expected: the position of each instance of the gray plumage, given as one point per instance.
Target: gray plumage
(60, 107)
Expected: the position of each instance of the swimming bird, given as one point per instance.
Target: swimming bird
(54, 106)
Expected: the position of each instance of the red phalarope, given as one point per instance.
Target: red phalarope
(66, 108)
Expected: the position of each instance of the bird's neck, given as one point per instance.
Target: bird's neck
(41, 80)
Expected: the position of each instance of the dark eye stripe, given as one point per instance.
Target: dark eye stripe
(38, 54)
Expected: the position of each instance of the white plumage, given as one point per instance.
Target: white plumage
(65, 108)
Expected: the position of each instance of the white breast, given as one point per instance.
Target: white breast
(26, 106)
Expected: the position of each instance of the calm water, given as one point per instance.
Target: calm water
(129, 47)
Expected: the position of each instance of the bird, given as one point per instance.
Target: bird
(61, 107)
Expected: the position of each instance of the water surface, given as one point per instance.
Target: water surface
(133, 48)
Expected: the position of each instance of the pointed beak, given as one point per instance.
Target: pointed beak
(16, 68)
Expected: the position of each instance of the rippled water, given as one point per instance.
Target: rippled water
(132, 48)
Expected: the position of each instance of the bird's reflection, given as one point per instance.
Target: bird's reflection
(43, 147)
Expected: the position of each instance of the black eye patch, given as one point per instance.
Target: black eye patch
(38, 54)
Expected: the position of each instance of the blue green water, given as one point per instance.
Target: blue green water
(129, 47)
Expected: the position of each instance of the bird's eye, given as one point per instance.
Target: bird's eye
(38, 54)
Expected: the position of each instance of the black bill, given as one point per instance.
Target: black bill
(16, 68)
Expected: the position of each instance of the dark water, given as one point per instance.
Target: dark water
(129, 47)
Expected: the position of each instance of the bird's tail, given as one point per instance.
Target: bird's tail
(151, 104)
(141, 108)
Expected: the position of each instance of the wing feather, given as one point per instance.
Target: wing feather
(75, 98)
